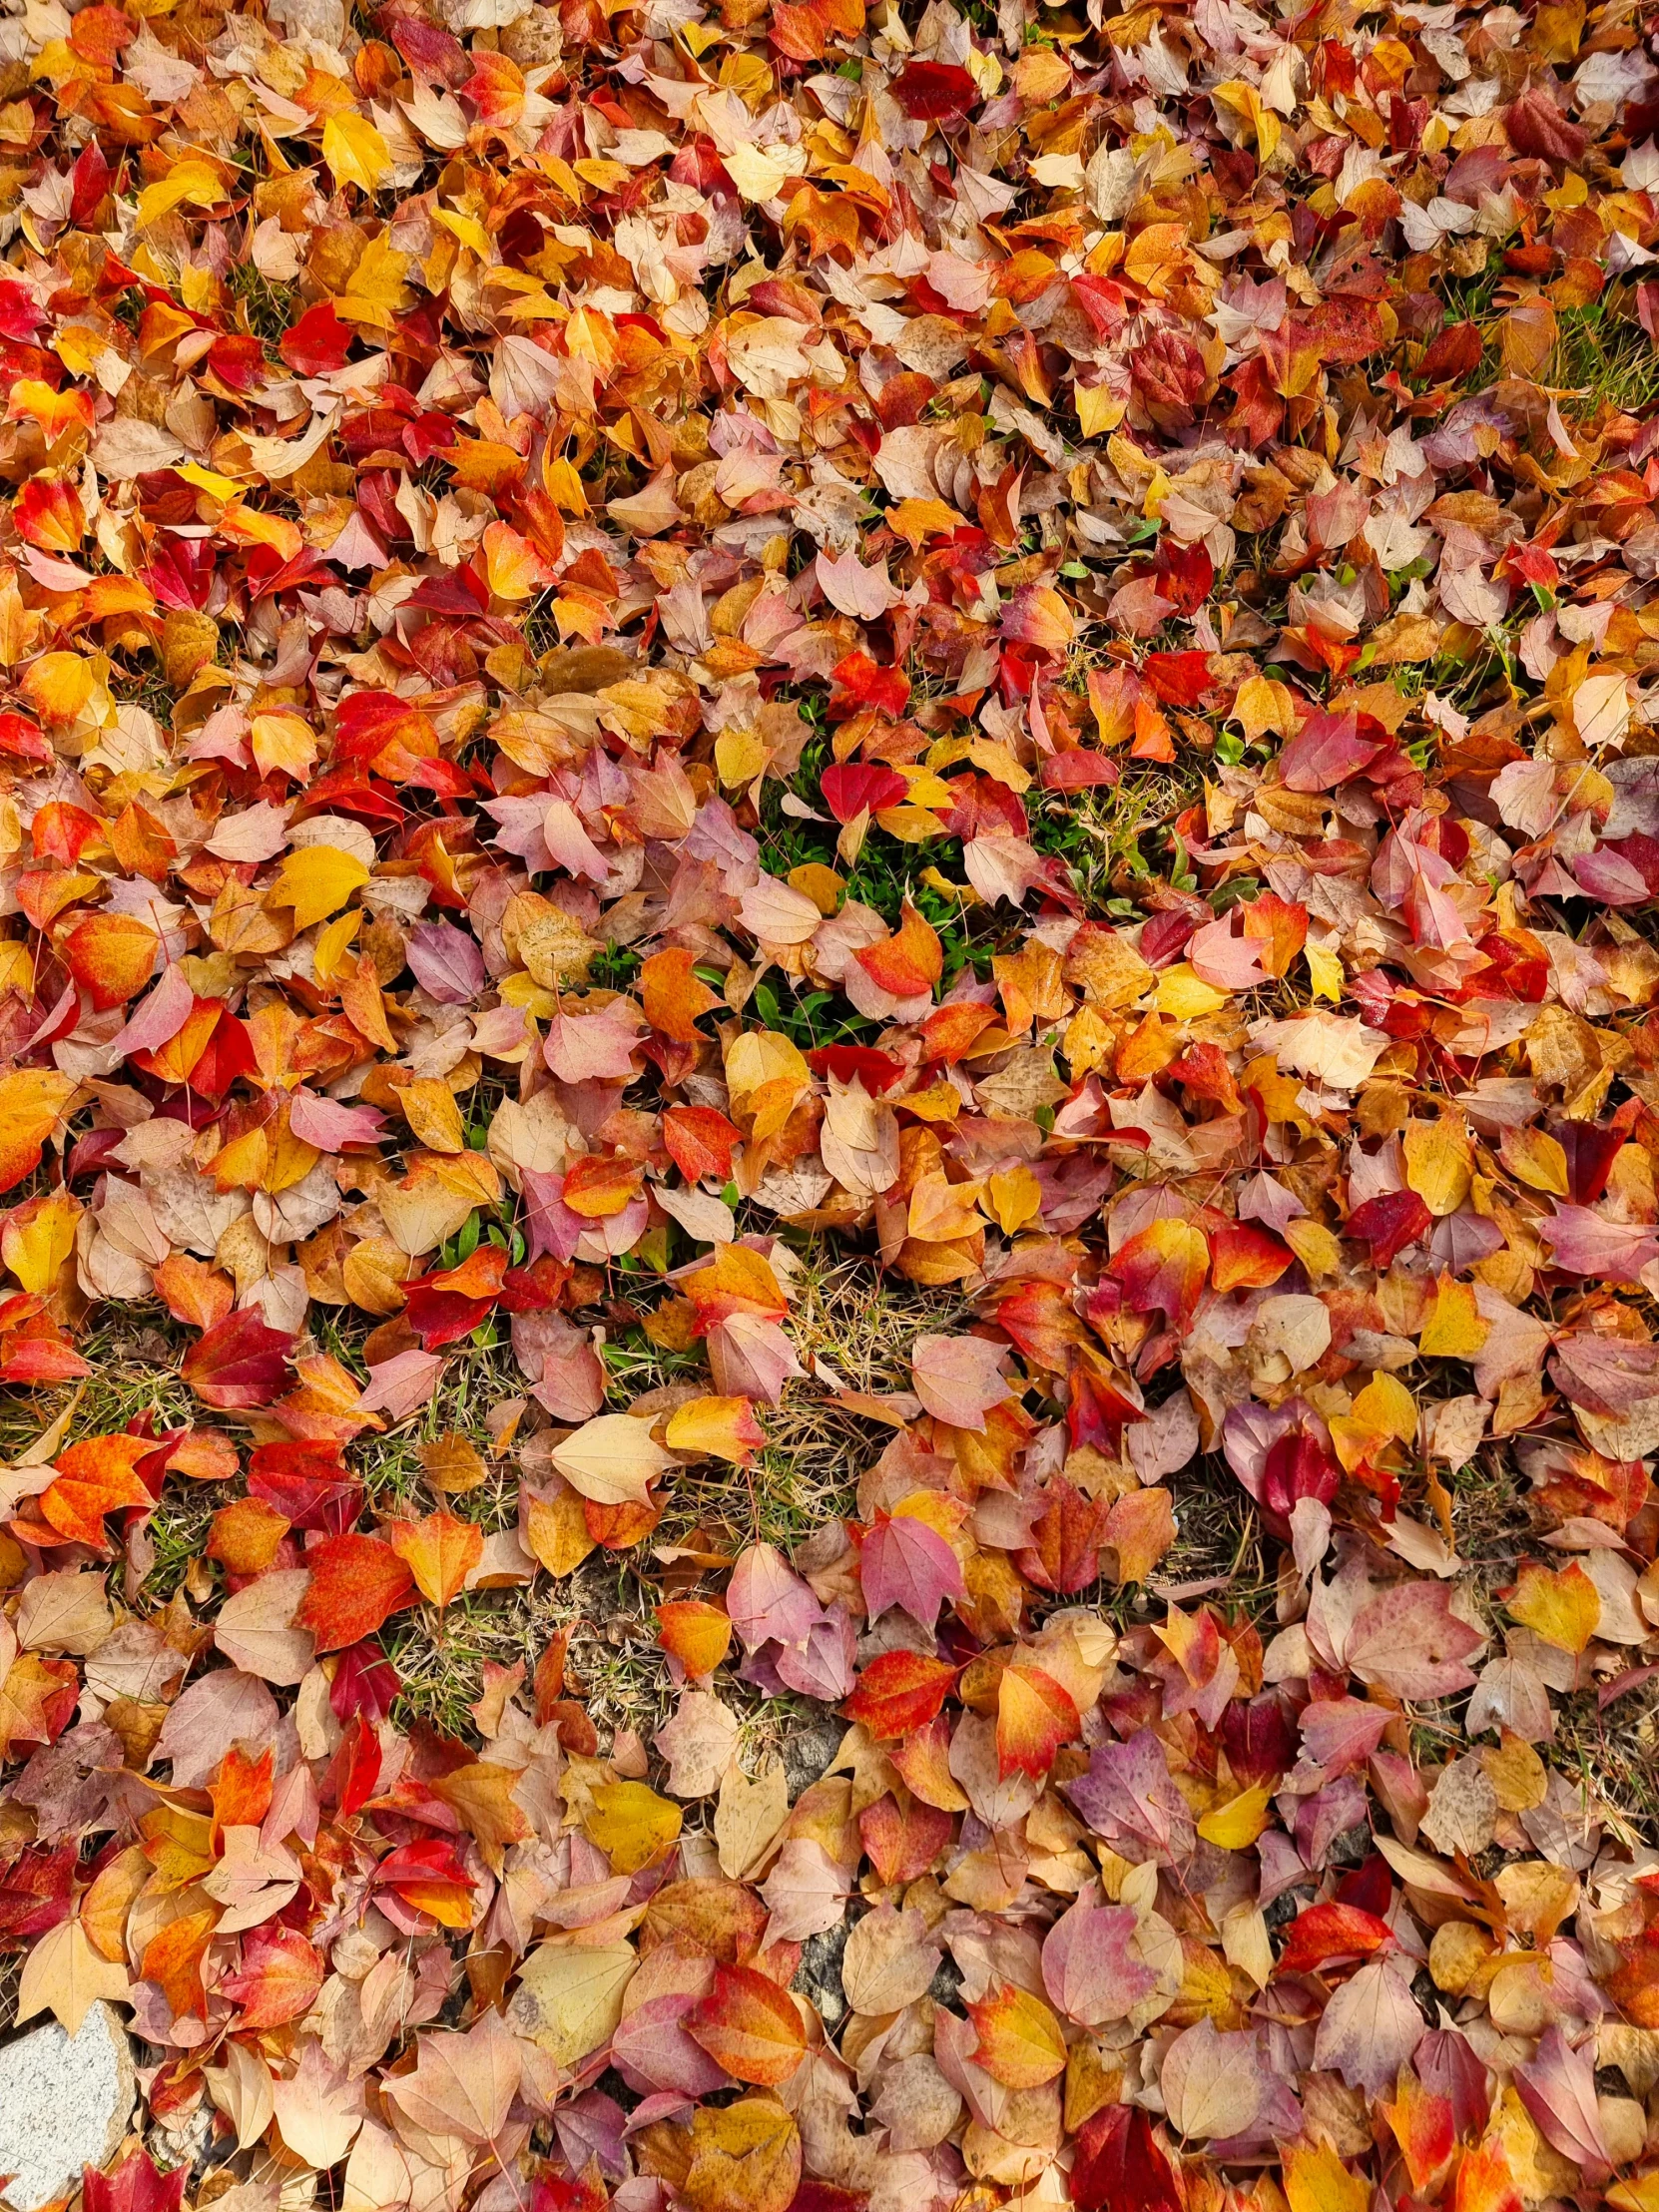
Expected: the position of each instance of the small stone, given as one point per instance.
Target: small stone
(63, 2104)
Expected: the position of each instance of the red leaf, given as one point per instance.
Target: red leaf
(1118, 2167)
(900, 1692)
(239, 1361)
(933, 92)
(1327, 1931)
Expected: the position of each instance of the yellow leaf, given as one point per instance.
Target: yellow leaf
(1261, 705)
(1325, 972)
(1245, 102)
(739, 755)
(1535, 1158)
(1439, 1163)
(1456, 1329)
(1564, 1609)
(355, 151)
(333, 943)
(1014, 1199)
(378, 292)
(39, 1240)
(1182, 992)
(631, 1825)
(208, 479)
(467, 229)
(431, 1112)
(1386, 1404)
(1098, 409)
(317, 881)
(1236, 1824)
(556, 1530)
(1316, 1246)
(283, 743)
(564, 487)
(59, 685)
(723, 1427)
(191, 182)
(1316, 2180)
(570, 1996)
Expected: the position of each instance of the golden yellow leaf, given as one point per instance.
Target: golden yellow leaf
(1439, 1162)
(1563, 1608)
(355, 151)
(317, 881)
(1236, 1824)
(1455, 1328)
(631, 1825)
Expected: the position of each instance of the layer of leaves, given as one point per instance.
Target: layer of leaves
(1016, 642)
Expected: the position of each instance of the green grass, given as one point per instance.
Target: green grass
(267, 309)
(1603, 358)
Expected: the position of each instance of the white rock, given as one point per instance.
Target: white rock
(63, 2104)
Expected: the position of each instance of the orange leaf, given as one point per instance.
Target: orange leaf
(112, 956)
(245, 1535)
(356, 1583)
(1020, 2043)
(31, 1099)
(600, 1185)
(750, 2026)
(280, 1976)
(697, 1634)
(36, 1699)
(909, 965)
(745, 2157)
(96, 1476)
(481, 1797)
(192, 1290)
(173, 1961)
(1034, 1717)
(898, 1693)
(240, 1792)
(674, 997)
(439, 1551)
(1424, 2127)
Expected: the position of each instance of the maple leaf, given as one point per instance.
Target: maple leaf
(905, 1562)
(522, 907)
(750, 2026)
(239, 1361)
(96, 1476)
(1020, 2043)
(62, 1971)
(462, 2084)
(898, 1693)
(439, 1553)
(356, 1583)
(137, 2185)
(278, 1980)
(745, 2157)
(1035, 1715)
(1118, 2165)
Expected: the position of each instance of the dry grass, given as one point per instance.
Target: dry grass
(860, 1326)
